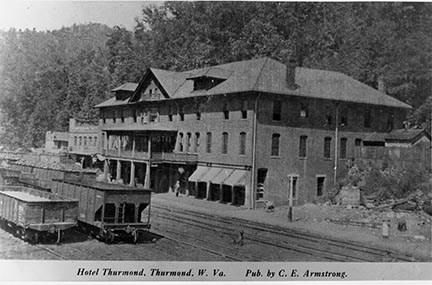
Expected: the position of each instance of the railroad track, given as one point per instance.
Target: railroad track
(328, 248)
(45, 247)
(50, 251)
(289, 248)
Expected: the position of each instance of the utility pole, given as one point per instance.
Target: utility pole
(336, 145)
(290, 198)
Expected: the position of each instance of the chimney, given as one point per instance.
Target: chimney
(289, 58)
(381, 84)
(290, 73)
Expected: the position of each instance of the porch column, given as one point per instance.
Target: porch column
(207, 197)
(232, 195)
(106, 169)
(147, 176)
(133, 146)
(248, 196)
(132, 174)
(187, 181)
(118, 174)
(220, 193)
(148, 164)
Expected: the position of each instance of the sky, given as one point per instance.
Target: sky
(52, 15)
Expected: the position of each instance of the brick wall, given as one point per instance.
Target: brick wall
(291, 127)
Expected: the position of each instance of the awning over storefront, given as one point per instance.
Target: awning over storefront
(237, 178)
(199, 172)
(217, 175)
(211, 174)
(222, 175)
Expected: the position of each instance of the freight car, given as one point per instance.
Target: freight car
(108, 210)
(34, 214)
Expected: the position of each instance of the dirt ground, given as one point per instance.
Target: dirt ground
(354, 224)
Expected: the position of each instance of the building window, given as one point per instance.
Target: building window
(329, 120)
(75, 140)
(225, 111)
(141, 143)
(292, 180)
(303, 110)
(85, 141)
(224, 143)
(244, 110)
(95, 141)
(180, 142)
(134, 114)
(357, 142)
(188, 142)
(367, 119)
(103, 115)
(90, 141)
(181, 113)
(327, 147)
(209, 142)
(277, 110)
(275, 144)
(390, 121)
(197, 141)
(344, 119)
(154, 115)
(122, 116)
(170, 114)
(261, 177)
(198, 112)
(303, 146)
(242, 143)
(343, 147)
(320, 185)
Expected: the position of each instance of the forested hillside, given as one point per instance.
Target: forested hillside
(47, 77)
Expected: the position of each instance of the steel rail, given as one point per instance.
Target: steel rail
(291, 247)
(343, 245)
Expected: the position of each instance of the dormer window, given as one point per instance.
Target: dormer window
(205, 83)
(208, 78)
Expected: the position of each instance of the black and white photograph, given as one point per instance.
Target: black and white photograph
(215, 140)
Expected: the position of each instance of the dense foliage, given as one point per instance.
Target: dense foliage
(46, 77)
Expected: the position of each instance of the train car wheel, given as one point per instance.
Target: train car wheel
(33, 237)
(135, 236)
(111, 237)
(59, 236)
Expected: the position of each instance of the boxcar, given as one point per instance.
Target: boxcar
(32, 214)
(108, 210)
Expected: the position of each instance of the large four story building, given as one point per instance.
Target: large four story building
(242, 132)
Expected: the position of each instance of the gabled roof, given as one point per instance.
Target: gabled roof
(268, 76)
(128, 86)
(212, 72)
(112, 102)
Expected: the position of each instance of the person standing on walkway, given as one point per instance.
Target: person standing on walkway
(177, 188)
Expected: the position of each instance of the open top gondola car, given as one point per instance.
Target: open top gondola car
(33, 214)
(9, 176)
(108, 210)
